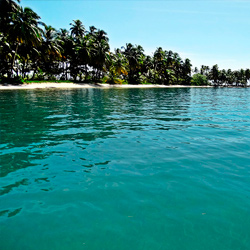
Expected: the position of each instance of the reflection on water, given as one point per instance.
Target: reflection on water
(105, 160)
(34, 121)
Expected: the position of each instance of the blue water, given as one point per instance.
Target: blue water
(125, 169)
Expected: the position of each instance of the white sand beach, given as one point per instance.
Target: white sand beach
(46, 85)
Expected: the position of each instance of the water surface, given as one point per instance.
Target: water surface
(125, 169)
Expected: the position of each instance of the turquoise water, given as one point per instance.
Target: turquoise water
(125, 169)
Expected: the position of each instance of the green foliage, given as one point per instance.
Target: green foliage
(111, 79)
(41, 81)
(199, 80)
(30, 49)
(17, 80)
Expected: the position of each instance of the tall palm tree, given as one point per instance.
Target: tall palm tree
(25, 29)
(8, 5)
(6, 54)
(170, 57)
(92, 30)
(160, 65)
(177, 66)
(119, 63)
(101, 51)
(186, 71)
(51, 42)
(77, 29)
(67, 45)
(135, 57)
(247, 73)
(223, 77)
(159, 58)
(242, 76)
(195, 70)
(7, 8)
(51, 51)
(214, 74)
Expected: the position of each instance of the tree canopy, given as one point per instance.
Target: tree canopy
(31, 49)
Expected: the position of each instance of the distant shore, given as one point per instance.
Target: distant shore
(51, 85)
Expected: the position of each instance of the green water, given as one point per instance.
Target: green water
(125, 169)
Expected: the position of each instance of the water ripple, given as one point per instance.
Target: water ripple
(155, 168)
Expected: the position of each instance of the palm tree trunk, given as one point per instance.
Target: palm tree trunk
(33, 76)
(14, 58)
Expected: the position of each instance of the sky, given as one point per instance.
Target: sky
(205, 31)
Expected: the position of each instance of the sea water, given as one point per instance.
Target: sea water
(125, 169)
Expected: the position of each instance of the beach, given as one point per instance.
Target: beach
(45, 85)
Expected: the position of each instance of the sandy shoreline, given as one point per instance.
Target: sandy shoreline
(52, 85)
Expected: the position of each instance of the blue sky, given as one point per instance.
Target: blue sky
(207, 32)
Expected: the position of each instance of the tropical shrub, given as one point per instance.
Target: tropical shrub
(199, 80)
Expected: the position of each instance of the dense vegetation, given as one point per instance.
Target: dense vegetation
(30, 49)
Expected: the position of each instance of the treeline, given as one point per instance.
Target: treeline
(223, 77)
(30, 49)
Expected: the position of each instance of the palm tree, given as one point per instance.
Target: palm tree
(223, 76)
(101, 54)
(214, 74)
(118, 67)
(177, 66)
(247, 73)
(196, 70)
(77, 29)
(229, 77)
(147, 69)
(83, 55)
(186, 71)
(7, 8)
(78, 34)
(66, 43)
(6, 54)
(242, 77)
(159, 58)
(169, 57)
(51, 50)
(51, 41)
(92, 30)
(135, 57)
(119, 63)
(160, 65)
(24, 29)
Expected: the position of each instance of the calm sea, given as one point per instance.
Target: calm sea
(118, 169)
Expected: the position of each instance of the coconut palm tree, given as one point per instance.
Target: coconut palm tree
(6, 54)
(51, 42)
(186, 72)
(101, 51)
(51, 51)
(169, 57)
(118, 67)
(67, 44)
(77, 29)
(7, 8)
(195, 70)
(247, 73)
(83, 54)
(214, 74)
(135, 57)
(25, 30)
(119, 63)
(160, 65)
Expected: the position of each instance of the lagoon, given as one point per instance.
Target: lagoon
(125, 169)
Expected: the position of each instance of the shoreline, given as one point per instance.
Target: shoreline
(54, 85)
